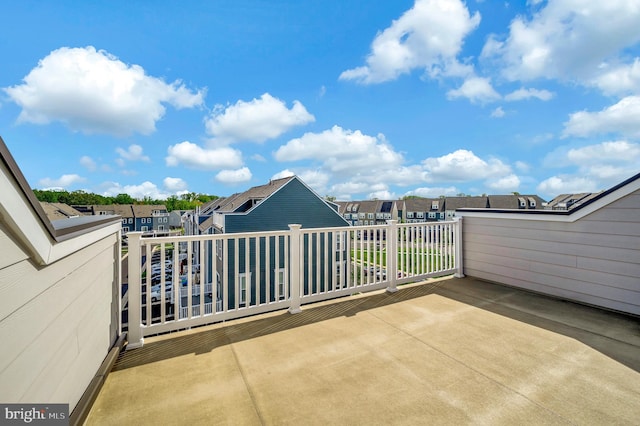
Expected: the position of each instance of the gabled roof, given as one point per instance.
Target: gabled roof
(211, 206)
(368, 206)
(146, 210)
(238, 202)
(423, 204)
(569, 201)
(454, 203)
(512, 201)
(57, 211)
(123, 210)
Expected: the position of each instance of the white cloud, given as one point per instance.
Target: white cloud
(133, 153)
(505, 183)
(92, 91)
(342, 151)
(621, 151)
(476, 89)
(463, 165)
(497, 113)
(316, 179)
(382, 195)
(63, 181)
(621, 118)
(175, 185)
(566, 184)
(145, 189)
(429, 36)
(522, 166)
(434, 192)
(256, 120)
(283, 174)
(522, 94)
(88, 163)
(193, 156)
(234, 176)
(599, 166)
(566, 39)
(623, 79)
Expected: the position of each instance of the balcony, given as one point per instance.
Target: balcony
(376, 337)
(468, 321)
(445, 351)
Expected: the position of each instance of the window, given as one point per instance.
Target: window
(420, 215)
(532, 202)
(370, 215)
(130, 220)
(434, 205)
(523, 203)
(243, 288)
(144, 228)
(432, 215)
(219, 248)
(161, 228)
(124, 221)
(409, 215)
(280, 281)
(339, 237)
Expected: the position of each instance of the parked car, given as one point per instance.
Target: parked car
(155, 292)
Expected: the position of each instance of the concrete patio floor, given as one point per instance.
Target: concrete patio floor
(447, 351)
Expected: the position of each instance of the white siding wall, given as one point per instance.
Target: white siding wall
(57, 321)
(594, 260)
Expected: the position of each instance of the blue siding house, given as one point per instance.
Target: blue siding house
(269, 207)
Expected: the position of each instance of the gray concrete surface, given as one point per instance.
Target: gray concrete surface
(449, 351)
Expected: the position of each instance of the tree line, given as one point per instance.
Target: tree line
(188, 201)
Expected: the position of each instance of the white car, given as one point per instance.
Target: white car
(155, 292)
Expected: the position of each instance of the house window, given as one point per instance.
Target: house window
(124, 221)
(523, 203)
(370, 215)
(409, 215)
(161, 228)
(280, 280)
(532, 203)
(420, 215)
(434, 205)
(130, 220)
(144, 228)
(432, 215)
(243, 288)
(339, 238)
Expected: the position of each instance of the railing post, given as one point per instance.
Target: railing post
(295, 260)
(134, 335)
(458, 242)
(392, 255)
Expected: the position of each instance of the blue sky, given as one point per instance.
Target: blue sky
(360, 99)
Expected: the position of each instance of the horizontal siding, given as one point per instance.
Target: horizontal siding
(56, 325)
(293, 203)
(548, 243)
(593, 260)
(558, 290)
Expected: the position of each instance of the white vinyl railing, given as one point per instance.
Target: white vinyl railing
(184, 281)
